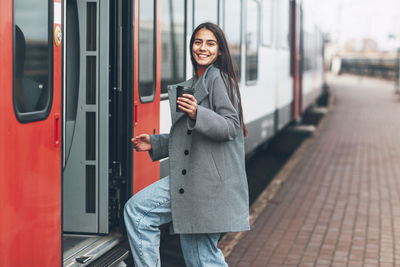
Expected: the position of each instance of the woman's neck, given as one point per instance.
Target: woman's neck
(201, 70)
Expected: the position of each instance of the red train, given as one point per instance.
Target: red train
(80, 78)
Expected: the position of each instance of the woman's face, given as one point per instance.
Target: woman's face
(205, 49)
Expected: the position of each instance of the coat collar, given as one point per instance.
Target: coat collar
(200, 92)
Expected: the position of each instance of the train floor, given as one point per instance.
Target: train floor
(338, 201)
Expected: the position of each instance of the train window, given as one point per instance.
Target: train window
(267, 25)
(32, 90)
(205, 11)
(173, 46)
(147, 38)
(283, 17)
(308, 52)
(233, 30)
(252, 41)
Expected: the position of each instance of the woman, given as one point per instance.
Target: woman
(206, 192)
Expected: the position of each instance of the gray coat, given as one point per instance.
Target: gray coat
(209, 192)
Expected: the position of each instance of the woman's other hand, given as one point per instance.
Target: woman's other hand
(141, 142)
(188, 104)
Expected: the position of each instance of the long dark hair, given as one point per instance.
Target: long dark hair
(225, 65)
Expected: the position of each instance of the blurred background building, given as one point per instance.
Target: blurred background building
(362, 36)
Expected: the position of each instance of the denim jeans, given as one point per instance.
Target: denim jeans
(150, 208)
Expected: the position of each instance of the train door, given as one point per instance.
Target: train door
(30, 154)
(146, 111)
(301, 58)
(98, 92)
(86, 119)
(295, 58)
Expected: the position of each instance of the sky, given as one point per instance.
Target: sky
(356, 19)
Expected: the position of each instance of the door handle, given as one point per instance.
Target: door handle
(135, 114)
(57, 131)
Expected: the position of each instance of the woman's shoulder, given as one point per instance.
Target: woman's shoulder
(213, 72)
(213, 75)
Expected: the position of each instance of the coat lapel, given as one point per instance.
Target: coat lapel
(200, 90)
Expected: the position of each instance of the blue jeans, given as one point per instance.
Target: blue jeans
(150, 208)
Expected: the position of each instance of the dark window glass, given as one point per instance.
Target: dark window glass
(90, 135)
(173, 46)
(267, 26)
(91, 80)
(146, 50)
(32, 53)
(90, 189)
(205, 11)
(252, 41)
(91, 27)
(307, 57)
(233, 30)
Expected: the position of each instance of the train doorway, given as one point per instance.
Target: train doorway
(85, 174)
(97, 153)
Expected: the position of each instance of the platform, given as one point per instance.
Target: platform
(339, 201)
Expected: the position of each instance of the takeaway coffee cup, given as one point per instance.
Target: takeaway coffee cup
(180, 90)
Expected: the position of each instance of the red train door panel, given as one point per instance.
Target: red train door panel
(146, 111)
(30, 154)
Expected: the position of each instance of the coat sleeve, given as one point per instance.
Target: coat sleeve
(221, 122)
(159, 146)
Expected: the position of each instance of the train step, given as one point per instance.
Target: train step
(113, 258)
(91, 251)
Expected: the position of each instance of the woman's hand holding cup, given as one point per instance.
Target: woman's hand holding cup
(186, 101)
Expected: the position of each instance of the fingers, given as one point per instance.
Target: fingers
(188, 104)
(188, 108)
(141, 137)
(139, 141)
(185, 105)
(191, 97)
(188, 99)
(135, 143)
(185, 109)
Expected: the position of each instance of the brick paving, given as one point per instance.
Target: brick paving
(340, 205)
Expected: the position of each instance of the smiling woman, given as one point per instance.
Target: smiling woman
(205, 147)
(205, 50)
